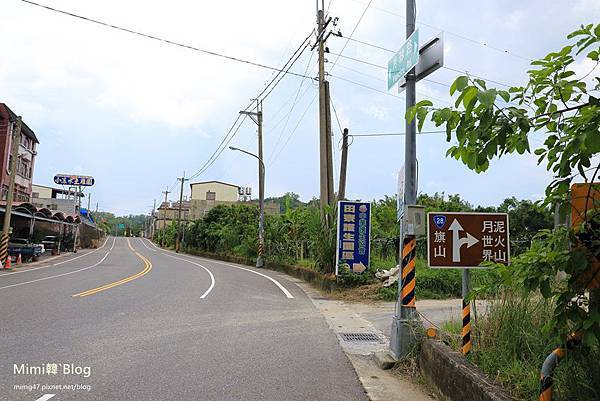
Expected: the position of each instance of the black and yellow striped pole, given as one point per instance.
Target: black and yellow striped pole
(409, 278)
(467, 339)
(3, 249)
(467, 342)
(552, 361)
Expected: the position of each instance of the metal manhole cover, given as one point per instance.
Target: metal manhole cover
(360, 337)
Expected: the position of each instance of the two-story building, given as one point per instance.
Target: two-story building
(169, 211)
(208, 194)
(26, 160)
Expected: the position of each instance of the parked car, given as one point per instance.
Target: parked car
(52, 243)
(27, 250)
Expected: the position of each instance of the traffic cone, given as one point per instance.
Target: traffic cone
(7, 265)
(19, 259)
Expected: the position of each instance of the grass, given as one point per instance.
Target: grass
(511, 342)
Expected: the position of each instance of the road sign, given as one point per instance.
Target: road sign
(121, 226)
(354, 235)
(581, 203)
(400, 200)
(431, 58)
(403, 61)
(465, 240)
(77, 180)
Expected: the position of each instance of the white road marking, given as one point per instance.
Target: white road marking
(212, 278)
(45, 397)
(144, 243)
(277, 283)
(57, 275)
(113, 245)
(55, 264)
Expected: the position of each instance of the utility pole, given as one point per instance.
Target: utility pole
(153, 220)
(344, 165)
(403, 334)
(89, 202)
(167, 192)
(325, 155)
(178, 235)
(258, 119)
(16, 140)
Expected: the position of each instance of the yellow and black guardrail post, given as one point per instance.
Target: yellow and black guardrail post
(467, 341)
(409, 279)
(3, 249)
(467, 338)
(552, 361)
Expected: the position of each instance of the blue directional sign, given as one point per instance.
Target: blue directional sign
(354, 235)
(75, 180)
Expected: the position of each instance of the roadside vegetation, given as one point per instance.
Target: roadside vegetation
(551, 290)
(296, 237)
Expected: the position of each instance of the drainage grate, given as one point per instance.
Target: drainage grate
(360, 337)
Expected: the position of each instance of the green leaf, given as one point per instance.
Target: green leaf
(424, 103)
(592, 142)
(421, 115)
(469, 95)
(487, 98)
(504, 95)
(411, 113)
(459, 84)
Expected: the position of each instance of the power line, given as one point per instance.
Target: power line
(458, 35)
(293, 131)
(159, 39)
(352, 33)
(396, 133)
(445, 67)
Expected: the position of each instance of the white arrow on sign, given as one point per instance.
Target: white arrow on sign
(457, 242)
(358, 267)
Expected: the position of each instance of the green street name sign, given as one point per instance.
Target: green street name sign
(403, 61)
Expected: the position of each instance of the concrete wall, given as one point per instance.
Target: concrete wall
(42, 191)
(453, 377)
(223, 192)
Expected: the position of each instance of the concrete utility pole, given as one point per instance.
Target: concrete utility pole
(258, 119)
(167, 192)
(178, 235)
(89, 202)
(325, 154)
(16, 140)
(343, 166)
(153, 220)
(403, 335)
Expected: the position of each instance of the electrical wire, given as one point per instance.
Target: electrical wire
(293, 131)
(351, 34)
(159, 39)
(458, 35)
(396, 133)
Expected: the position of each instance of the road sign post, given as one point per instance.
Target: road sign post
(353, 236)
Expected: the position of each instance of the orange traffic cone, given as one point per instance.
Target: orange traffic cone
(19, 259)
(7, 265)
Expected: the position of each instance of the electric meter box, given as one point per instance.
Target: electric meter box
(415, 220)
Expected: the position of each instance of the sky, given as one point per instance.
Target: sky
(136, 113)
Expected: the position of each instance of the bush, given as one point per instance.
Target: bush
(346, 278)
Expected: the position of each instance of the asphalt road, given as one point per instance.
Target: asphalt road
(146, 324)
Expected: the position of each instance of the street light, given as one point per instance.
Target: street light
(261, 202)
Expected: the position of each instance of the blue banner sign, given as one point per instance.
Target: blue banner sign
(354, 235)
(75, 180)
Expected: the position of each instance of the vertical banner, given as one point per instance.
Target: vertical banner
(353, 236)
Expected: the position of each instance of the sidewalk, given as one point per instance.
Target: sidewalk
(345, 318)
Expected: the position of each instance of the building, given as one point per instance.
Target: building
(27, 153)
(208, 194)
(54, 199)
(169, 211)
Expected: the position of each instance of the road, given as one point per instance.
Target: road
(147, 324)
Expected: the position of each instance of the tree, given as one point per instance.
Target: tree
(487, 123)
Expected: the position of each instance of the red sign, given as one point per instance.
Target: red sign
(465, 240)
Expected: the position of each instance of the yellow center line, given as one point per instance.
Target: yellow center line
(147, 268)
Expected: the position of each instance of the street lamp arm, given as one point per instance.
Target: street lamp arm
(250, 154)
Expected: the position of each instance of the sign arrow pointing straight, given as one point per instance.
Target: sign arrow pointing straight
(45, 397)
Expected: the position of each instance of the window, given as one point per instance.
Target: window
(211, 195)
(35, 194)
